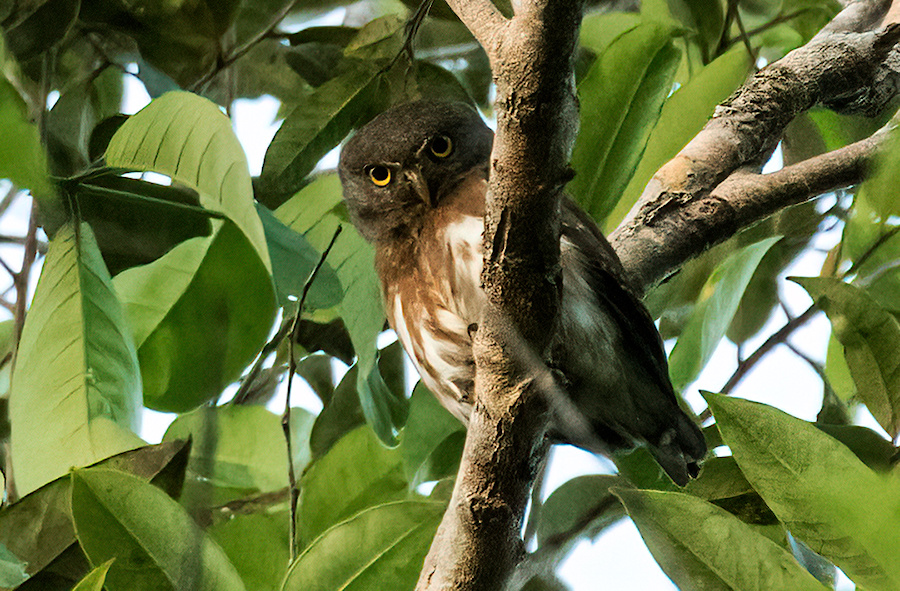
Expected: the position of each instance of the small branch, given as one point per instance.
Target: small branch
(483, 20)
(245, 48)
(286, 416)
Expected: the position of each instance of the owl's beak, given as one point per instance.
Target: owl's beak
(417, 181)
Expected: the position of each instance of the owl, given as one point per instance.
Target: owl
(414, 181)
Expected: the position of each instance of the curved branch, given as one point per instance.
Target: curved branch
(698, 198)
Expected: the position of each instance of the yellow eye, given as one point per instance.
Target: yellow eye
(380, 175)
(441, 146)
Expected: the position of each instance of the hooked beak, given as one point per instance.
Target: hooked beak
(420, 187)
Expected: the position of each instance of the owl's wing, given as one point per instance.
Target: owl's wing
(607, 277)
(674, 439)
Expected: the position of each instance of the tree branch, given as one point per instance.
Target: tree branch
(478, 543)
(712, 188)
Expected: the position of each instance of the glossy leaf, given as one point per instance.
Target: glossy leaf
(12, 569)
(871, 339)
(314, 212)
(388, 543)
(239, 450)
(342, 414)
(429, 425)
(22, 159)
(154, 541)
(582, 505)
(621, 97)
(77, 387)
(712, 315)
(293, 260)
(258, 545)
(317, 125)
(209, 302)
(95, 579)
(818, 488)
(701, 546)
(188, 139)
(683, 115)
(356, 473)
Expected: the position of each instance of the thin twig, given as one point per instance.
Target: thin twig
(292, 367)
(245, 48)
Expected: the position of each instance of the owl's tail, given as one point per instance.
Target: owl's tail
(680, 449)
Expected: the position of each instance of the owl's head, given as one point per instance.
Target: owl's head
(405, 161)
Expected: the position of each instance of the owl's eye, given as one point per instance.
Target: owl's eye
(379, 175)
(441, 146)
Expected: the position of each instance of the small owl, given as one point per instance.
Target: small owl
(414, 181)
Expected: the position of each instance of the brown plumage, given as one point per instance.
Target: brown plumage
(414, 182)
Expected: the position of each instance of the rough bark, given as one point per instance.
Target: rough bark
(713, 186)
(711, 189)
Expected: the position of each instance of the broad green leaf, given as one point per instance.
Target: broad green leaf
(701, 546)
(208, 303)
(94, 580)
(709, 321)
(38, 527)
(706, 18)
(342, 414)
(188, 139)
(12, 569)
(22, 158)
(872, 449)
(383, 546)
(582, 505)
(317, 125)
(238, 450)
(598, 31)
(818, 488)
(356, 473)
(837, 371)
(428, 426)
(723, 484)
(258, 545)
(76, 389)
(621, 97)
(315, 213)
(870, 336)
(155, 542)
(293, 260)
(683, 115)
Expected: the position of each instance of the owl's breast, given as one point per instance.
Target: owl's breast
(433, 306)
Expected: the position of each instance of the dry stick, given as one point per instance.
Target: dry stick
(292, 367)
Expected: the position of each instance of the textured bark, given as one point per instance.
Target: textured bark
(713, 186)
(710, 190)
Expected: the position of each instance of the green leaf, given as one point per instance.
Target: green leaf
(258, 545)
(238, 450)
(293, 260)
(364, 471)
(154, 541)
(428, 426)
(12, 569)
(76, 389)
(42, 29)
(22, 158)
(709, 321)
(208, 303)
(701, 546)
(383, 546)
(582, 505)
(317, 125)
(870, 336)
(818, 488)
(95, 579)
(342, 414)
(38, 527)
(315, 213)
(188, 139)
(621, 97)
(683, 115)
